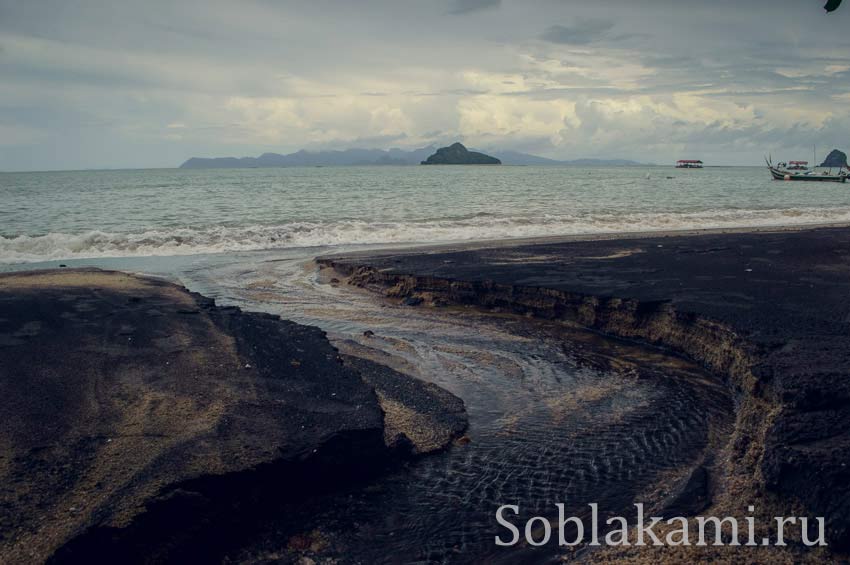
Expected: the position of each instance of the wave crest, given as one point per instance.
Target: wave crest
(219, 239)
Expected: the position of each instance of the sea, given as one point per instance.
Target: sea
(170, 212)
(556, 414)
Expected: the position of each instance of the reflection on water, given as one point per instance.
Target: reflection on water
(556, 415)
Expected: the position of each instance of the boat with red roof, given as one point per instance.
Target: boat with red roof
(799, 170)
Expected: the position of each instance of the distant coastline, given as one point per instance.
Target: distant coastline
(378, 157)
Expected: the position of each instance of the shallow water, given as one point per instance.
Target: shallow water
(556, 415)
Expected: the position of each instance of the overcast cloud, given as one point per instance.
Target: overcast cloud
(148, 84)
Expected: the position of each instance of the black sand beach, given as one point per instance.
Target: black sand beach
(768, 312)
(401, 283)
(145, 423)
(142, 423)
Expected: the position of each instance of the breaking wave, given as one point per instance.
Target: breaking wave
(217, 239)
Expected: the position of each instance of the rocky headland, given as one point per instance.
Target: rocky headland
(767, 312)
(143, 423)
(360, 156)
(457, 154)
(835, 158)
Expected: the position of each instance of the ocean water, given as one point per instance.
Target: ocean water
(555, 414)
(169, 212)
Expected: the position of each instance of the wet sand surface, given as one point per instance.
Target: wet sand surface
(556, 414)
(773, 286)
(141, 423)
(767, 312)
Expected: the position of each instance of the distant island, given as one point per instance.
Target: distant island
(835, 158)
(303, 158)
(457, 154)
(373, 157)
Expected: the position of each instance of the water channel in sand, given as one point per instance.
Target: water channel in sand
(557, 414)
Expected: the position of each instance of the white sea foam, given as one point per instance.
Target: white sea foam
(188, 241)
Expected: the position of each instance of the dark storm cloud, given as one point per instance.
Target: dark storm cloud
(93, 84)
(468, 6)
(583, 32)
(447, 92)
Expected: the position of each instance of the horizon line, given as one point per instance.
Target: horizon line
(178, 168)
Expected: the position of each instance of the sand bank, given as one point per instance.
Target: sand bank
(139, 419)
(767, 310)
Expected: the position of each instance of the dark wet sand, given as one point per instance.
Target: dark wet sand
(141, 422)
(141, 417)
(768, 311)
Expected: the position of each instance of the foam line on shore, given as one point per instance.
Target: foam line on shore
(24, 248)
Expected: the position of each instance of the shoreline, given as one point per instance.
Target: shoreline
(389, 247)
(579, 237)
(766, 310)
(761, 308)
(141, 415)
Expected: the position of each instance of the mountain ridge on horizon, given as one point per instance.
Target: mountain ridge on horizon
(359, 156)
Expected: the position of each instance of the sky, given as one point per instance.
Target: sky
(124, 84)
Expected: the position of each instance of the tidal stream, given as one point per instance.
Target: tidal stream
(557, 415)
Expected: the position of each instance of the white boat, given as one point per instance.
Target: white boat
(688, 164)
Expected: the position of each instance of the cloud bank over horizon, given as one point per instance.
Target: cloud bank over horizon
(94, 85)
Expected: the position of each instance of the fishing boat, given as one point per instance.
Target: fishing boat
(688, 164)
(799, 170)
(794, 166)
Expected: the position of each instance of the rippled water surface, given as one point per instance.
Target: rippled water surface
(556, 415)
(59, 215)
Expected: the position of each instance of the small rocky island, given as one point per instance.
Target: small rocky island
(835, 158)
(457, 154)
